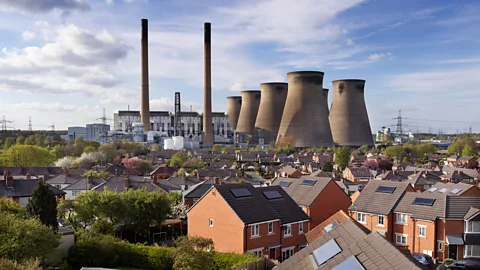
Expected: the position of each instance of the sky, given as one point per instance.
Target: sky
(64, 61)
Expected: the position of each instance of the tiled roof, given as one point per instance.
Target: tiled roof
(458, 207)
(423, 178)
(370, 201)
(360, 172)
(32, 170)
(303, 194)
(465, 158)
(471, 212)
(372, 250)
(198, 191)
(317, 232)
(163, 169)
(82, 184)
(23, 188)
(471, 172)
(117, 184)
(189, 181)
(437, 210)
(286, 206)
(120, 169)
(448, 187)
(63, 179)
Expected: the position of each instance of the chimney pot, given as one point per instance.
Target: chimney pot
(28, 176)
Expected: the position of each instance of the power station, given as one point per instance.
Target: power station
(248, 115)
(234, 104)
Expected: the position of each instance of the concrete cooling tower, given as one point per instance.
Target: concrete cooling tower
(324, 98)
(248, 116)
(348, 114)
(304, 120)
(270, 111)
(234, 105)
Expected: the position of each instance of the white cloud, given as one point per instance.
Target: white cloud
(459, 61)
(27, 35)
(43, 6)
(109, 2)
(379, 56)
(349, 42)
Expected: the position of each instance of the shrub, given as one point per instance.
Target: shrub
(231, 260)
(13, 265)
(448, 260)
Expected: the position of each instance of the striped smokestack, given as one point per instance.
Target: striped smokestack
(145, 100)
(207, 134)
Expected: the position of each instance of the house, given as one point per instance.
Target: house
(359, 175)
(468, 162)
(347, 186)
(457, 177)
(373, 207)
(342, 243)
(288, 171)
(357, 160)
(191, 196)
(394, 175)
(35, 172)
(321, 159)
(120, 169)
(126, 182)
(184, 182)
(20, 190)
(81, 185)
(459, 189)
(470, 172)
(319, 197)
(63, 180)
(210, 174)
(423, 180)
(240, 218)
(163, 171)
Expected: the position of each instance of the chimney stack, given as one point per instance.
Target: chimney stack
(28, 176)
(145, 99)
(207, 134)
(9, 182)
(127, 181)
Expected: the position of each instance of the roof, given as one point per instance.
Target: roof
(423, 178)
(454, 239)
(466, 158)
(360, 172)
(371, 250)
(471, 212)
(287, 208)
(32, 170)
(117, 184)
(370, 201)
(23, 188)
(436, 210)
(189, 181)
(317, 231)
(120, 169)
(198, 191)
(471, 172)
(448, 187)
(458, 206)
(303, 194)
(82, 184)
(250, 210)
(63, 179)
(163, 169)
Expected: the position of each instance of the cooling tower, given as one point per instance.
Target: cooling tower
(207, 135)
(234, 105)
(348, 114)
(145, 99)
(270, 111)
(248, 115)
(324, 98)
(304, 120)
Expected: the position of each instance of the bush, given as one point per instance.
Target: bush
(231, 260)
(13, 265)
(448, 260)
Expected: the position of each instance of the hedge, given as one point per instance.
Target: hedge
(231, 260)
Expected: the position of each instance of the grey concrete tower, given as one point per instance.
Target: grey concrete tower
(207, 134)
(348, 114)
(234, 104)
(304, 120)
(270, 111)
(145, 99)
(324, 98)
(248, 115)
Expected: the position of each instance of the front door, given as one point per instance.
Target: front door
(452, 251)
(272, 254)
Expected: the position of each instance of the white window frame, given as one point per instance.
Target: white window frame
(440, 245)
(210, 222)
(287, 251)
(257, 252)
(469, 227)
(401, 235)
(300, 228)
(360, 219)
(255, 230)
(287, 230)
(468, 251)
(75, 193)
(424, 228)
(383, 220)
(400, 220)
(270, 231)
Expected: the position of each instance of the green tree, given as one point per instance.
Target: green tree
(20, 140)
(217, 148)
(342, 156)
(328, 166)
(177, 160)
(23, 239)
(78, 146)
(93, 144)
(109, 151)
(27, 156)
(395, 152)
(39, 140)
(456, 148)
(145, 166)
(468, 150)
(405, 159)
(424, 149)
(13, 265)
(363, 149)
(181, 172)
(8, 206)
(190, 253)
(9, 141)
(30, 140)
(59, 151)
(89, 149)
(43, 205)
(95, 174)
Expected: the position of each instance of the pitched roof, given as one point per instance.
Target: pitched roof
(471, 172)
(360, 171)
(471, 212)
(465, 158)
(371, 250)
(82, 184)
(457, 207)
(303, 194)
(370, 201)
(287, 208)
(447, 188)
(436, 210)
(198, 191)
(117, 184)
(63, 179)
(23, 188)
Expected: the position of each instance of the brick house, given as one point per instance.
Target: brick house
(359, 175)
(423, 180)
(373, 208)
(163, 172)
(240, 218)
(458, 189)
(288, 171)
(319, 197)
(468, 162)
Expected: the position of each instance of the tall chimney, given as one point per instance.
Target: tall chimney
(207, 135)
(145, 100)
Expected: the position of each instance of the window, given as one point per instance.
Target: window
(257, 253)
(300, 228)
(361, 218)
(472, 251)
(211, 222)
(270, 228)
(75, 193)
(472, 226)
(381, 221)
(440, 245)
(58, 186)
(287, 231)
(422, 231)
(287, 253)
(401, 239)
(402, 219)
(255, 230)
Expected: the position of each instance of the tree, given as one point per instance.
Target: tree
(371, 164)
(20, 140)
(109, 151)
(395, 152)
(65, 162)
(385, 165)
(145, 166)
(87, 160)
(59, 151)
(131, 163)
(177, 160)
(178, 208)
(11, 207)
(468, 150)
(39, 140)
(328, 166)
(217, 148)
(405, 159)
(30, 140)
(24, 239)
(363, 149)
(9, 141)
(181, 172)
(89, 149)
(78, 146)
(43, 205)
(457, 145)
(27, 156)
(95, 174)
(13, 265)
(190, 253)
(342, 156)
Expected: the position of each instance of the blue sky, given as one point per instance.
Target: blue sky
(63, 61)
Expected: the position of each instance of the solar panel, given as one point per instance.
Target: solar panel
(272, 194)
(325, 252)
(432, 189)
(423, 201)
(385, 189)
(330, 226)
(350, 264)
(443, 190)
(455, 190)
(309, 182)
(285, 183)
(241, 192)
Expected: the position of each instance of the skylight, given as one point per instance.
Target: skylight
(324, 253)
(432, 189)
(241, 192)
(330, 226)
(423, 201)
(272, 194)
(309, 182)
(455, 190)
(285, 183)
(350, 264)
(443, 190)
(385, 189)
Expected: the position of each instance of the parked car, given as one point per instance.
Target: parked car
(463, 264)
(423, 259)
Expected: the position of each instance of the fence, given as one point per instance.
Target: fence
(262, 264)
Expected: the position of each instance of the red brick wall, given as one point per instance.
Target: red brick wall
(473, 191)
(441, 228)
(227, 232)
(264, 239)
(296, 238)
(454, 227)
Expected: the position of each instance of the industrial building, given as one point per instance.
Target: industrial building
(92, 132)
(248, 115)
(272, 102)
